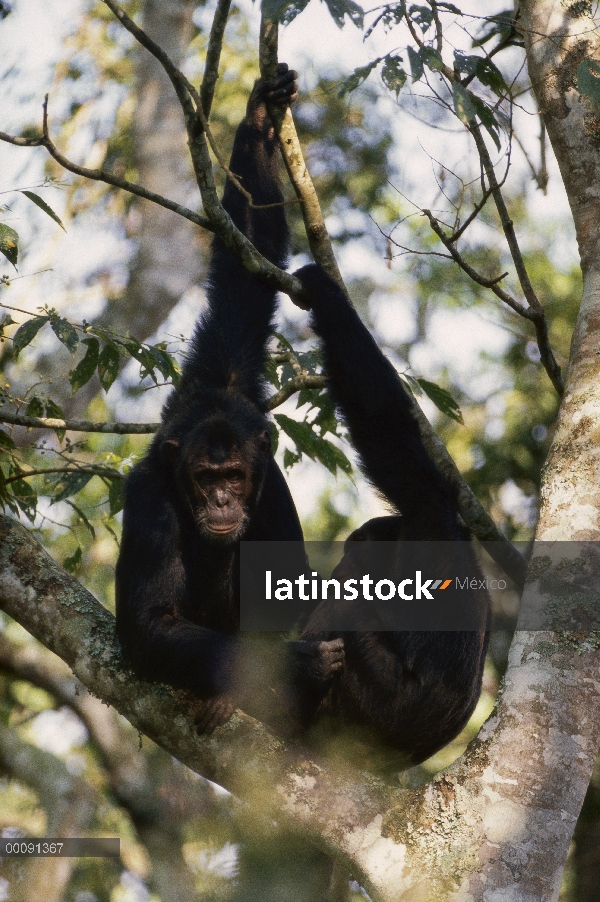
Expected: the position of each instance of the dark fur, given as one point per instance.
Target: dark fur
(177, 591)
(415, 689)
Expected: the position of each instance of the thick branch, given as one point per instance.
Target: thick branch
(492, 809)
(276, 777)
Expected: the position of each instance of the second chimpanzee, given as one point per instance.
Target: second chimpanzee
(209, 478)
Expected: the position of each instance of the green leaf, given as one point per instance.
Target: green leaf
(271, 373)
(300, 433)
(422, 15)
(588, 82)
(37, 200)
(416, 64)
(358, 76)
(115, 496)
(332, 457)
(391, 15)
(451, 8)
(67, 484)
(108, 365)
(35, 408)
(463, 105)
(488, 119)
(86, 367)
(65, 332)
(72, 563)
(283, 341)
(83, 518)
(485, 70)
(25, 497)
(432, 58)
(284, 11)
(27, 332)
(393, 75)
(442, 399)
(411, 384)
(6, 320)
(6, 441)
(110, 530)
(341, 8)
(501, 25)
(315, 447)
(290, 458)
(9, 244)
(274, 437)
(55, 412)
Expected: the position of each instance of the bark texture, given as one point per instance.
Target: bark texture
(559, 36)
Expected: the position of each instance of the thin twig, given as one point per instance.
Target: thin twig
(213, 55)
(536, 313)
(93, 471)
(519, 308)
(439, 36)
(101, 175)
(78, 425)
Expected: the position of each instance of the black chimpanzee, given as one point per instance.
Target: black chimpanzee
(209, 478)
(415, 690)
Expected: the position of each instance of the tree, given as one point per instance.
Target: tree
(498, 823)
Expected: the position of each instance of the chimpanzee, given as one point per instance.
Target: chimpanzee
(415, 690)
(209, 478)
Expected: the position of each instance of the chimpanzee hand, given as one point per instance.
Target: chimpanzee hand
(315, 661)
(212, 713)
(281, 91)
(316, 283)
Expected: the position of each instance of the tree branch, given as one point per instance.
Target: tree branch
(314, 223)
(78, 425)
(213, 56)
(491, 809)
(296, 384)
(277, 778)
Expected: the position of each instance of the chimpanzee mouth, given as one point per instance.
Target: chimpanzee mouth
(222, 530)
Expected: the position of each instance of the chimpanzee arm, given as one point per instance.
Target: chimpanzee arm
(377, 412)
(228, 349)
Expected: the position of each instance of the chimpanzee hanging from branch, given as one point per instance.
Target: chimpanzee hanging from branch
(210, 480)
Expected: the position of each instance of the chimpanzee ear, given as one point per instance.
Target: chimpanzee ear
(171, 450)
(264, 442)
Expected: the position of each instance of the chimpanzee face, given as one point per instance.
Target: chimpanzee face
(222, 485)
(221, 494)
